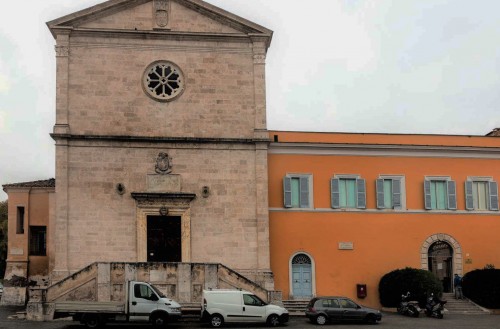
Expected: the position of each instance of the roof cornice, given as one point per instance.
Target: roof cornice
(385, 150)
(153, 35)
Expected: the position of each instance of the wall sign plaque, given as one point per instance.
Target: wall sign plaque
(346, 246)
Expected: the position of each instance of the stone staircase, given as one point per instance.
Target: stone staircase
(462, 306)
(107, 282)
(296, 307)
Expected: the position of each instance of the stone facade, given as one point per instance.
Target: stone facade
(109, 133)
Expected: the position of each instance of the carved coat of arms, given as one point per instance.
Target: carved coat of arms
(163, 164)
(161, 12)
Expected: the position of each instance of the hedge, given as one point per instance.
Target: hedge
(483, 287)
(420, 284)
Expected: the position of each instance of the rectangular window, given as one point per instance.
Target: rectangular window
(20, 220)
(297, 191)
(390, 192)
(481, 193)
(440, 193)
(38, 240)
(348, 191)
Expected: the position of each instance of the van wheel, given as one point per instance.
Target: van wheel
(159, 320)
(273, 320)
(216, 321)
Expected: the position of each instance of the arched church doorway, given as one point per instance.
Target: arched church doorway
(440, 260)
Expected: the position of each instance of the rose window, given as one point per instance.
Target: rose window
(163, 81)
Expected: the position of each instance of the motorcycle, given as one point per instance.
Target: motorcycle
(407, 307)
(434, 307)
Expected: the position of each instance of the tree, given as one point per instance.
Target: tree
(3, 235)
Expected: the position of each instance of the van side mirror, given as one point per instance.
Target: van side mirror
(153, 297)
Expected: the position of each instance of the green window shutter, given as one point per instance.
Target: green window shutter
(287, 188)
(361, 193)
(427, 194)
(452, 194)
(304, 192)
(493, 187)
(380, 193)
(469, 197)
(396, 193)
(335, 182)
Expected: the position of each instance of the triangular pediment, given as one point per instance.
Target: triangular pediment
(186, 16)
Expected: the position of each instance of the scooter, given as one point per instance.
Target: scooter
(434, 307)
(407, 307)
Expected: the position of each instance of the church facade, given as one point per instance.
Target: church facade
(160, 111)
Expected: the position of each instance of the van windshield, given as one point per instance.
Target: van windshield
(158, 292)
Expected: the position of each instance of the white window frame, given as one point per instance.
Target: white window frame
(446, 179)
(486, 179)
(310, 186)
(402, 181)
(349, 176)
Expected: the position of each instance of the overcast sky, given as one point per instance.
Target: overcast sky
(406, 66)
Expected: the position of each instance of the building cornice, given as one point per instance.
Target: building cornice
(154, 35)
(387, 212)
(157, 139)
(385, 150)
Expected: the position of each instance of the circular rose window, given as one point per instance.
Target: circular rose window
(163, 81)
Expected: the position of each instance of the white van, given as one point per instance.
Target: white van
(225, 305)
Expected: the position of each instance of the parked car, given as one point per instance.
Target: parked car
(321, 310)
(227, 305)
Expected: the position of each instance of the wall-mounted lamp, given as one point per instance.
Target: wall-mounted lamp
(205, 191)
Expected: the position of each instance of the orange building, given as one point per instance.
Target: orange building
(30, 227)
(345, 209)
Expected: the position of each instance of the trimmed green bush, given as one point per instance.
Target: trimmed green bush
(420, 284)
(483, 287)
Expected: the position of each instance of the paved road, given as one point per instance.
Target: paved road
(389, 321)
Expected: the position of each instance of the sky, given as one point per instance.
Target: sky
(372, 66)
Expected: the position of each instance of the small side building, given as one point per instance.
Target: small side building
(31, 215)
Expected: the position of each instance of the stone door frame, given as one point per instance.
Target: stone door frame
(457, 252)
(175, 204)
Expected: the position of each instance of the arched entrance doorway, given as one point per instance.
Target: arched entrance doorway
(456, 253)
(440, 262)
(301, 274)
